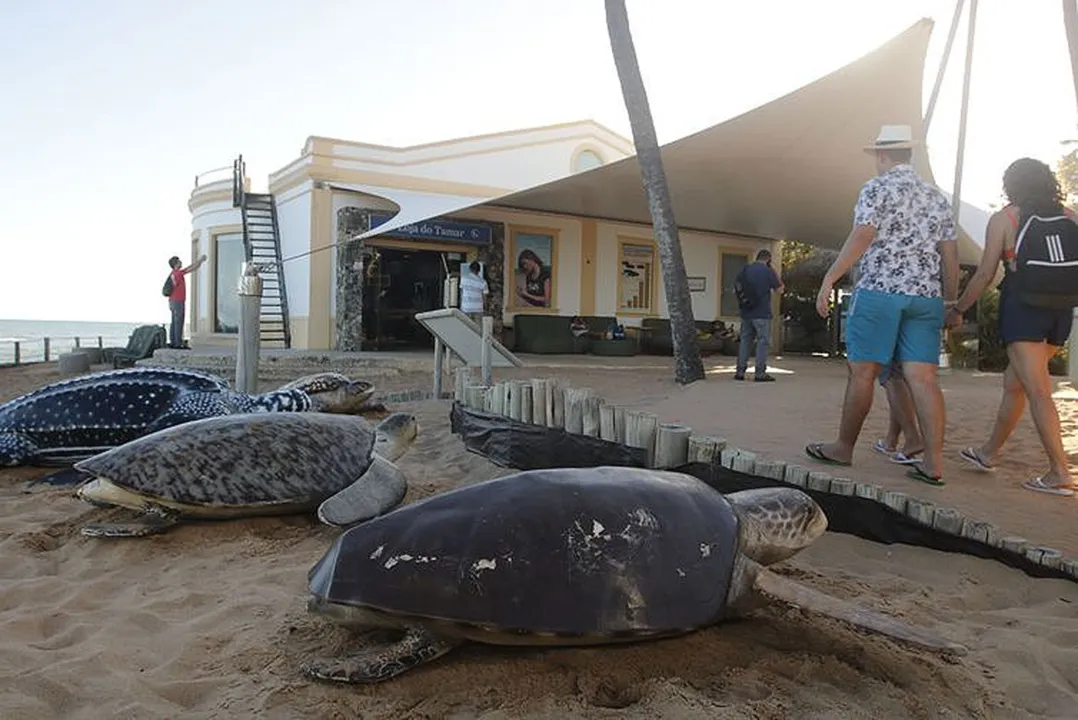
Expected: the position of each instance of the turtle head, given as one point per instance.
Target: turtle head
(776, 522)
(394, 435)
(332, 392)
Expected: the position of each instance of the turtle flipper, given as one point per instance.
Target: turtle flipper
(377, 663)
(380, 489)
(801, 596)
(154, 520)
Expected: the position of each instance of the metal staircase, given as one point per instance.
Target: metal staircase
(262, 245)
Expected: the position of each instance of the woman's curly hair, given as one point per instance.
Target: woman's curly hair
(1032, 186)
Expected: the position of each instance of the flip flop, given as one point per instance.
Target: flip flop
(917, 473)
(881, 447)
(1038, 484)
(815, 451)
(901, 458)
(971, 455)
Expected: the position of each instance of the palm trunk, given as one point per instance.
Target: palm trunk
(688, 367)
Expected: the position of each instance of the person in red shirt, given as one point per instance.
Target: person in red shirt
(178, 298)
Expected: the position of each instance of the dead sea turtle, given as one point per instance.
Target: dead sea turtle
(568, 557)
(249, 465)
(74, 419)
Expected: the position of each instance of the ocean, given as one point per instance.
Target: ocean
(30, 335)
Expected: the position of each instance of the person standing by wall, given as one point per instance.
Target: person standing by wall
(473, 291)
(177, 297)
(753, 289)
(905, 236)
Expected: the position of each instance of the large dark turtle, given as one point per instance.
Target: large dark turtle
(568, 557)
(252, 464)
(74, 419)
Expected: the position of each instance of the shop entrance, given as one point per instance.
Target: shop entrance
(399, 283)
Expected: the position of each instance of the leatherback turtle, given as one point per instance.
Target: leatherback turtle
(74, 419)
(568, 557)
(252, 464)
(334, 392)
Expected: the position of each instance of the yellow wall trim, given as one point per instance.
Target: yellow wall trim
(314, 139)
(320, 334)
(321, 168)
(589, 247)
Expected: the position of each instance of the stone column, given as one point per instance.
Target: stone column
(493, 258)
(351, 221)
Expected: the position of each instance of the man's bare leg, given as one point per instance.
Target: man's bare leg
(904, 414)
(923, 381)
(855, 408)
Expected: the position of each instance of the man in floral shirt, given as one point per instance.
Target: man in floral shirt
(905, 235)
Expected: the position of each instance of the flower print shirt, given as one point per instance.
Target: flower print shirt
(911, 217)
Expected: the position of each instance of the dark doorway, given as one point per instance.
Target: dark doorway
(398, 284)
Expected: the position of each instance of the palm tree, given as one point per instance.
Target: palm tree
(688, 367)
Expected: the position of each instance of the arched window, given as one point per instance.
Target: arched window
(586, 160)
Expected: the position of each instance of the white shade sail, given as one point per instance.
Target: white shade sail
(790, 169)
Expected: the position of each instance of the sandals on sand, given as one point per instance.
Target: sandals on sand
(815, 451)
(973, 456)
(895, 455)
(881, 447)
(1038, 484)
(918, 473)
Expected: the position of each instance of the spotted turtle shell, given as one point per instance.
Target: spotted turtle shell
(597, 551)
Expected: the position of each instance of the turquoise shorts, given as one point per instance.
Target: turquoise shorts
(884, 327)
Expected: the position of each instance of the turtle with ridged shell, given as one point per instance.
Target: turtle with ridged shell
(71, 420)
(563, 557)
(252, 464)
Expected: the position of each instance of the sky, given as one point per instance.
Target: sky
(111, 107)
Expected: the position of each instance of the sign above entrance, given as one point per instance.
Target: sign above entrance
(448, 231)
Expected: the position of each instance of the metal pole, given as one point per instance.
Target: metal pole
(943, 64)
(487, 349)
(964, 114)
(250, 293)
(1070, 23)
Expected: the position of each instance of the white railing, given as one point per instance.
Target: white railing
(37, 350)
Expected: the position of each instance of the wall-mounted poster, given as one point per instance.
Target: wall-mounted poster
(532, 257)
(697, 283)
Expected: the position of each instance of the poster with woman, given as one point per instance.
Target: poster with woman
(533, 272)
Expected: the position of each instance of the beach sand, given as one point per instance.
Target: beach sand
(209, 620)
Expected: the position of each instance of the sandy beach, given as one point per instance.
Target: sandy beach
(209, 620)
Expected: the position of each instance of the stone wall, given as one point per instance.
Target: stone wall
(351, 221)
(493, 259)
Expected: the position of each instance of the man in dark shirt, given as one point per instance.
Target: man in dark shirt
(758, 280)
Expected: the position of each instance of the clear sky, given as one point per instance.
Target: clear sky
(111, 107)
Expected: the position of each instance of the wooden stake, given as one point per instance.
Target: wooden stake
(640, 429)
(672, 445)
(704, 449)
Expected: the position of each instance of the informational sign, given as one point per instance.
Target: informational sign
(447, 231)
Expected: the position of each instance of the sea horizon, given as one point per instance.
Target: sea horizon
(30, 336)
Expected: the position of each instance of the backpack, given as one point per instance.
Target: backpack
(167, 288)
(746, 299)
(1046, 262)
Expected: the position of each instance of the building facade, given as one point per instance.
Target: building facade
(350, 294)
